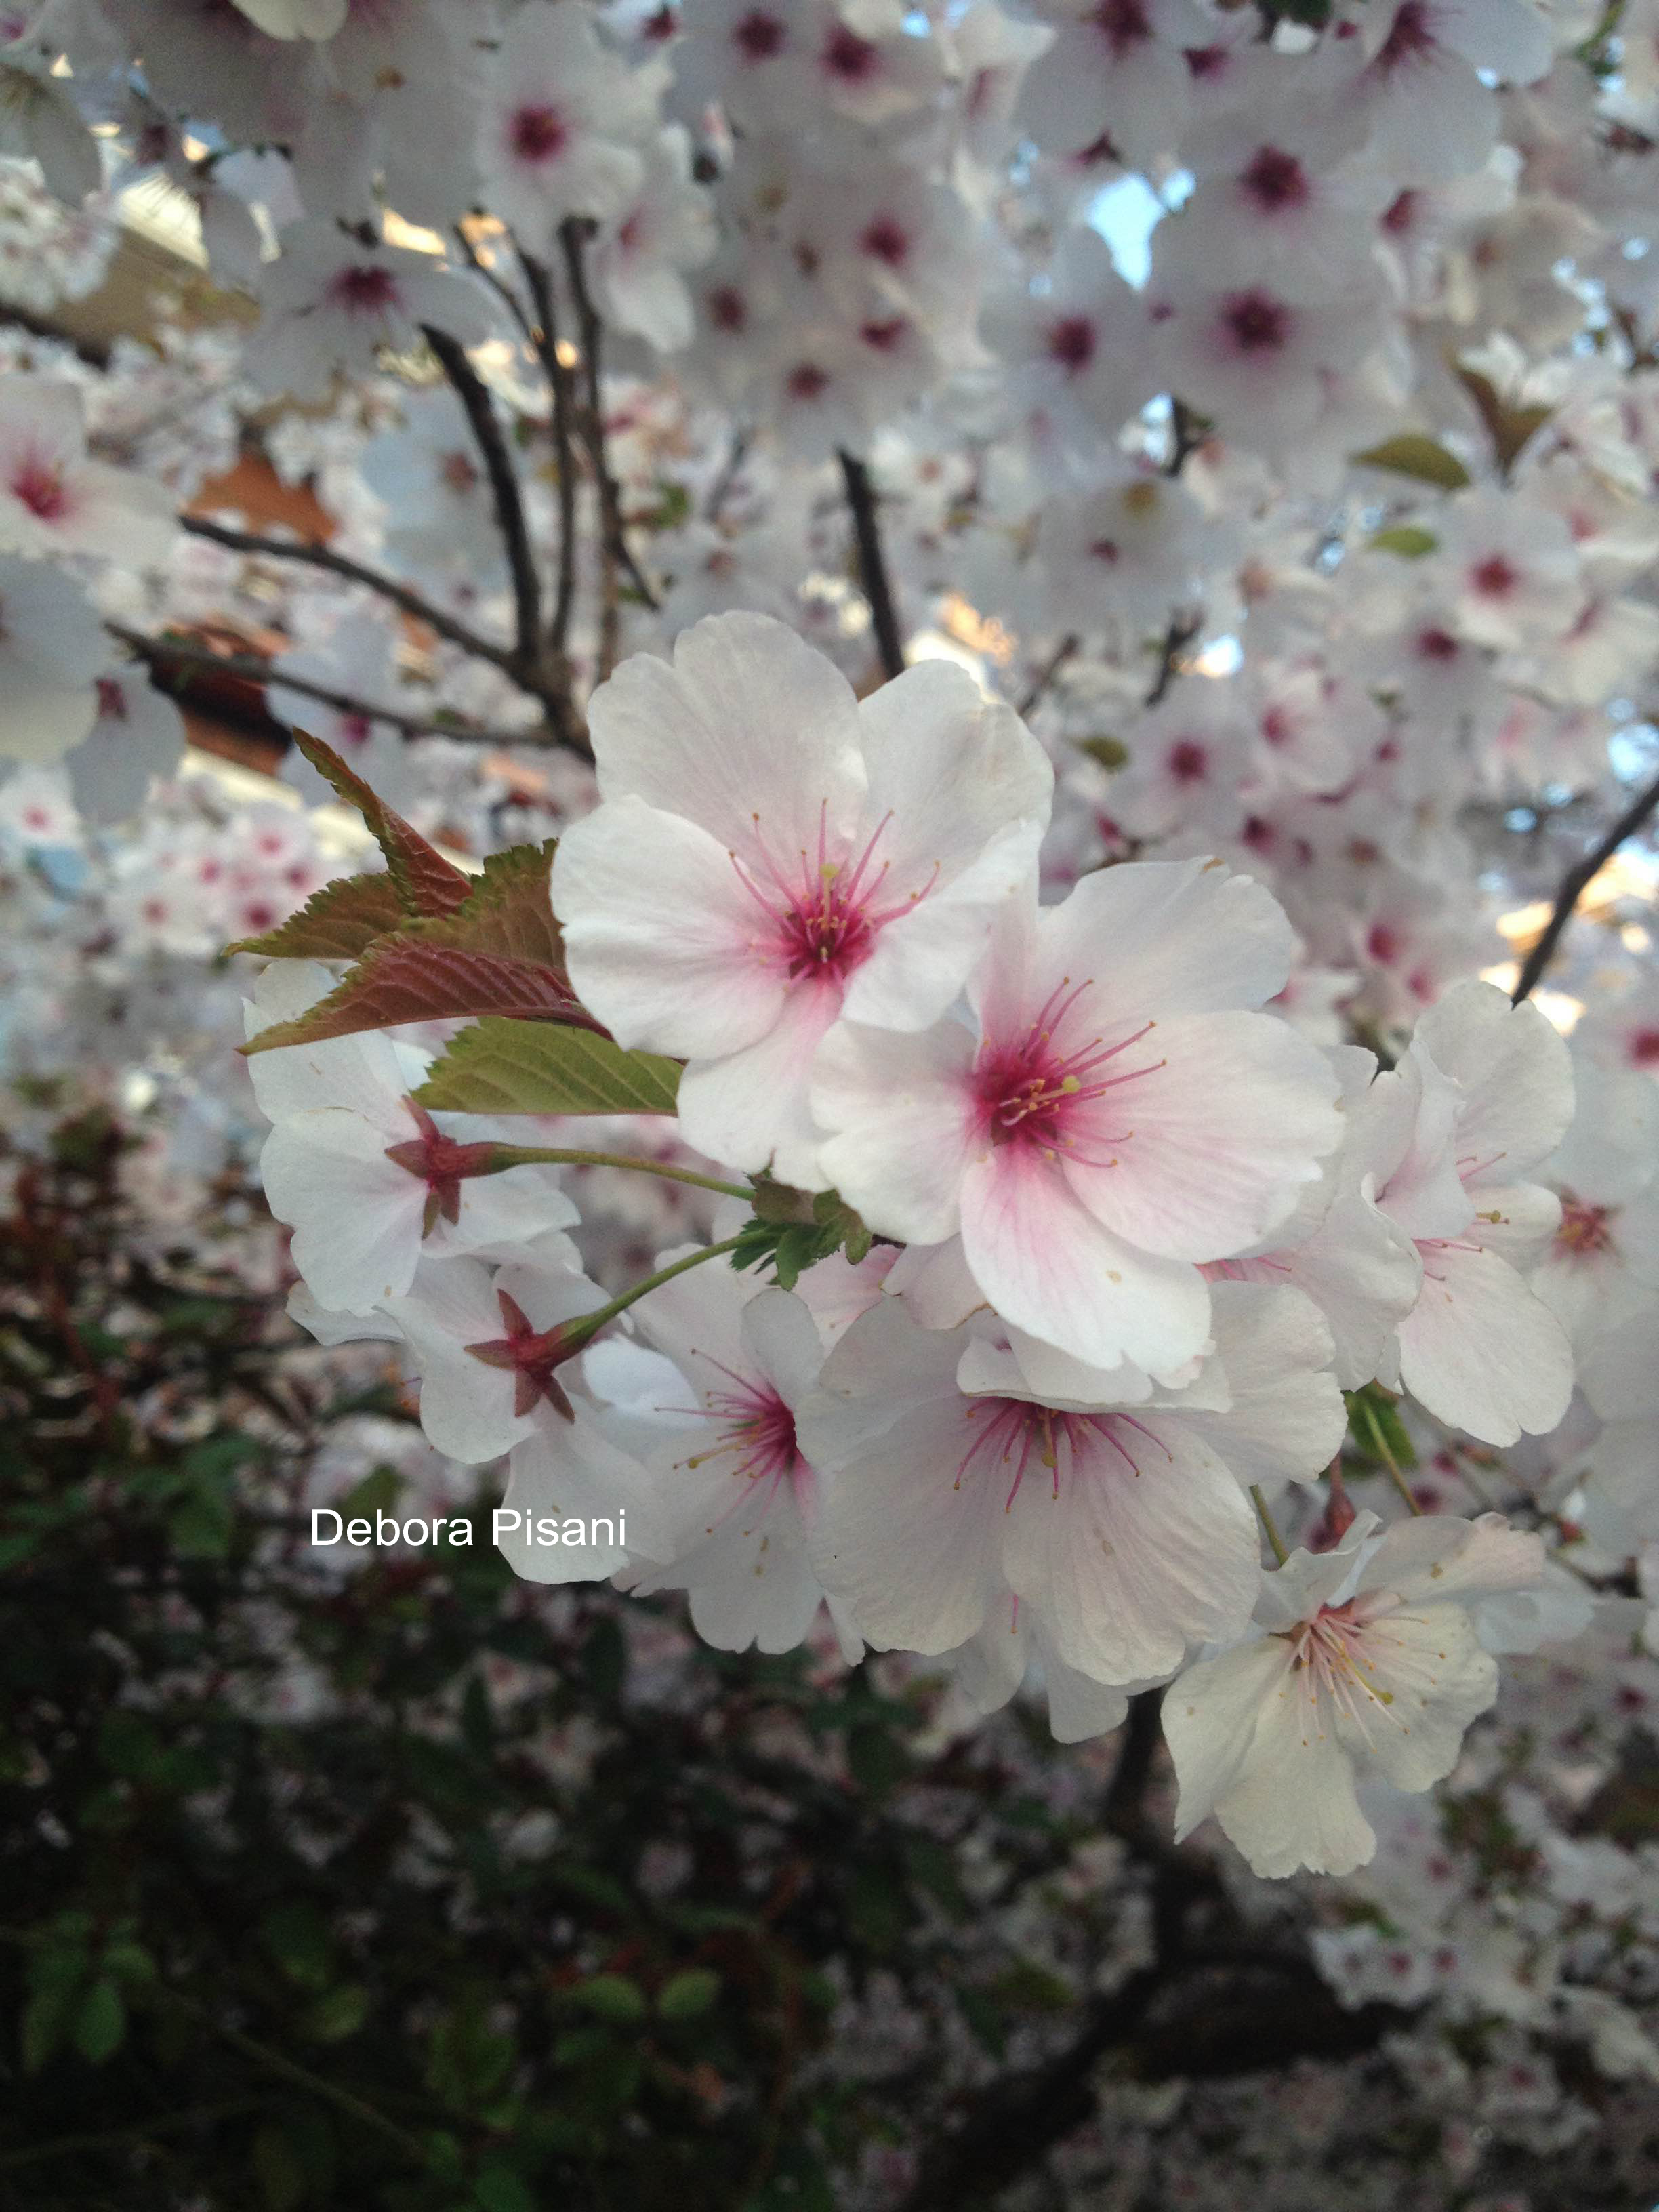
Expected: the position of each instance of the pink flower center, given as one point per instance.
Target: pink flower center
(824, 918)
(1123, 24)
(38, 485)
(532, 1358)
(458, 473)
(1188, 762)
(1105, 550)
(364, 289)
(442, 1163)
(1043, 1094)
(1255, 322)
(1335, 1656)
(1437, 644)
(1494, 578)
(1011, 1433)
(1401, 215)
(1645, 1048)
(538, 134)
(1072, 343)
(1585, 1230)
(887, 240)
(757, 1432)
(1411, 37)
(848, 57)
(758, 37)
(727, 308)
(1276, 181)
(807, 380)
(112, 701)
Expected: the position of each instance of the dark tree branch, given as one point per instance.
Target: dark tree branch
(474, 397)
(731, 469)
(1176, 638)
(1576, 881)
(613, 542)
(872, 565)
(166, 656)
(312, 556)
(1045, 676)
(498, 284)
(545, 338)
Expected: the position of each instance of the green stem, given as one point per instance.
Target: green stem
(1387, 1456)
(522, 1156)
(590, 1324)
(1266, 1520)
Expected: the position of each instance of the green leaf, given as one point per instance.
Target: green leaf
(338, 922)
(101, 2023)
(1509, 426)
(689, 1995)
(1406, 539)
(46, 2019)
(1111, 752)
(1414, 454)
(611, 1997)
(498, 2189)
(1375, 1428)
(540, 1068)
(338, 2015)
(424, 881)
(405, 979)
(279, 2171)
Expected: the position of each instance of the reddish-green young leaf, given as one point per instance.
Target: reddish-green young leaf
(425, 882)
(338, 922)
(509, 911)
(401, 979)
(532, 1068)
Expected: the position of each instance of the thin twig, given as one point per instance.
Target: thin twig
(1045, 676)
(311, 555)
(166, 654)
(1576, 881)
(474, 396)
(545, 339)
(613, 543)
(498, 284)
(872, 565)
(1178, 635)
(731, 469)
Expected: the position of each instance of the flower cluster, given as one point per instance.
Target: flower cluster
(1087, 1243)
(960, 1163)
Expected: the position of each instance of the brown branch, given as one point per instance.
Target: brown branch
(545, 338)
(1179, 635)
(311, 555)
(872, 565)
(1045, 676)
(164, 655)
(1576, 881)
(613, 543)
(474, 396)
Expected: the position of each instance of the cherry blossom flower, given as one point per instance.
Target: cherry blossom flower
(563, 118)
(369, 1181)
(52, 647)
(770, 855)
(665, 228)
(951, 1476)
(54, 501)
(1120, 1116)
(331, 303)
(737, 1493)
(138, 737)
(1117, 67)
(1366, 1659)
(1451, 1136)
